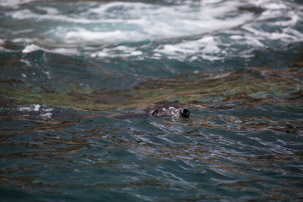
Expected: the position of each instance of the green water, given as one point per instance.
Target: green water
(74, 76)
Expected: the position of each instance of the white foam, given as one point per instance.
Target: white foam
(99, 54)
(207, 47)
(128, 21)
(23, 40)
(66, 51)
(49, 10)
(31, 48)
(109, 7)
(51, 14)
(108, 37)
(287, 34)
(293, 19)
(37, 107)
(110, 24)
(33, 107)
(13, 3)
(274, 5)
(246, 39)
(47, 115)
(118, 51)
(47, 109)
(136, 53)
(2, 43)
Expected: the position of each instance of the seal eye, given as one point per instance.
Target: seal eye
(154, 113)
(185, 113)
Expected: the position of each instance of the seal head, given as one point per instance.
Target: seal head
(172, 111)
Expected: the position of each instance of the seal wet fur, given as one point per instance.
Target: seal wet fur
(164, 110)
(169, 110)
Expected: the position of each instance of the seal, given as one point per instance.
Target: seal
(173, 111)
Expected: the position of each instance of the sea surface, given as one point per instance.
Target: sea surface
(74, 74)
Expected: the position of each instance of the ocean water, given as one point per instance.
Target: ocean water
(74, 75)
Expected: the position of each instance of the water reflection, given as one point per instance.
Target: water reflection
(221, 149)
(156, 153)
(75, 77)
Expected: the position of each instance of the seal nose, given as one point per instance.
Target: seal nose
(185, 113)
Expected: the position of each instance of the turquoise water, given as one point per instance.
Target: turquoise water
(75, 76)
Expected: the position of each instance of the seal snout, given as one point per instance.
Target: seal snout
(185, 113)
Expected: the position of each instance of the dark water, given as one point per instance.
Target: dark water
(74, 74)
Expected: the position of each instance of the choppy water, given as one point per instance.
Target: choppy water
(72, 74)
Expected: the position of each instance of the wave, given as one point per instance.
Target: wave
(183, 30)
